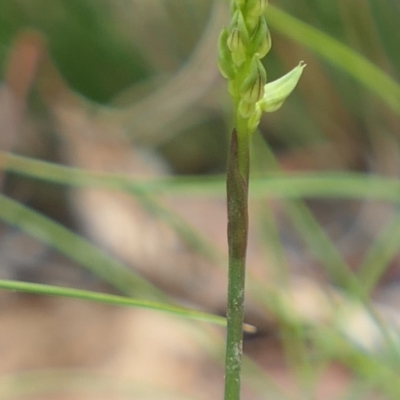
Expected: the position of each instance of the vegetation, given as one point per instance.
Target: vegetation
(329, 158)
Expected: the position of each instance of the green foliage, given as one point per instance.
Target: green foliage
(349, 100)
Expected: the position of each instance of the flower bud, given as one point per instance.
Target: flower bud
(254, 119)
(276, 92)
(252, 89)
(261, 39)
(254, 10)
(237, 47)
(225, 63)
(238, 38)
(246, 109)
(239, 23)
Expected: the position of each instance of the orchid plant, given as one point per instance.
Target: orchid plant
(242, 46)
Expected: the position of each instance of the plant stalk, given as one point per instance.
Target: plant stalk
(237, 197)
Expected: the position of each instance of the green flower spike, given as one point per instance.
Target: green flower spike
(241, 47)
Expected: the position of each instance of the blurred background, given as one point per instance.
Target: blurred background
(91, 80)
(148, 68)
(116, 53)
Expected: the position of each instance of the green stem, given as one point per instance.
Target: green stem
(237, 195)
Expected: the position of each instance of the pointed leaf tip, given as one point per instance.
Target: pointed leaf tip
(276, 92)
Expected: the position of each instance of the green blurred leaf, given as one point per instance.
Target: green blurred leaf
(337, 54)
(49, 290)
(275, 184)
(77, 249)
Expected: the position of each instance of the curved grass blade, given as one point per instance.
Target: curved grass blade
(275, 184)
(50, 290)
(77, 249)
(78, 382)
(379, 255)
(337, 54)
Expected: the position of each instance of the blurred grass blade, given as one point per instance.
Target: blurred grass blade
(380, 254)
(49, 290)
(314, 235)
(322, 247)
(338, 54)
(197, 241)
(73, 382)
(274, 184)
(77, 249)
(374, 371)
